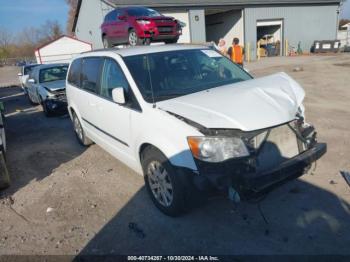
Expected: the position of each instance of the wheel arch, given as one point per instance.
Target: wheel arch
(183, 158)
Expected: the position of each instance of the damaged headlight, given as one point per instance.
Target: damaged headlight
(217, 149)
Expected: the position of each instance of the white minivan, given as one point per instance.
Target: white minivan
(190, 120)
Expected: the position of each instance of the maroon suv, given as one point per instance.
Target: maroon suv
(137, 26)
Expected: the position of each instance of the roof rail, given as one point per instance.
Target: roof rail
(101, 49)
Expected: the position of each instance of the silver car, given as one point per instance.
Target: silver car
(23, 75)
(46, 86)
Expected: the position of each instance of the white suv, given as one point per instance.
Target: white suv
(189, 120)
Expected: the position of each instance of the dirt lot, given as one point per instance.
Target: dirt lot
(92, 197)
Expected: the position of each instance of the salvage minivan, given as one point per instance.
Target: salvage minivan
(190, 120)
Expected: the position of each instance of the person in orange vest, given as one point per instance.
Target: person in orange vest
(236, 52)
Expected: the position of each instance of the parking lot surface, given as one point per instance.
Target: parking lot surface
(67, 199)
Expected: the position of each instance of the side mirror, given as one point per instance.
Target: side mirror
(19, 74)
(118, 95)
(31, 81)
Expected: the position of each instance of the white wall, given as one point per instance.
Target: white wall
(183, 17)
(197, 25)
(91, 15)
(61, 51)
(344, 37)
(300, 23)
(225, 25)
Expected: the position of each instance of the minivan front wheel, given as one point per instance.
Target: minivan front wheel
(163, 184)
(79, 131)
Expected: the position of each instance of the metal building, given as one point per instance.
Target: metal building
(286, 23)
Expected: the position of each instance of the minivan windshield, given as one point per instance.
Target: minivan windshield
(142, 11)
(177, 73)
(53, 74)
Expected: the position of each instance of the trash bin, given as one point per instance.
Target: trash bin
(326, 46)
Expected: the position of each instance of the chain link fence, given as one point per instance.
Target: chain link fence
(18, 61)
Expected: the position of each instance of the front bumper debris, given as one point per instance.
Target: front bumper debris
(57, 104)
(277, 155)
(248, 183)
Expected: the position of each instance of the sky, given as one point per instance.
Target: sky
(17, 14)
(345, 12)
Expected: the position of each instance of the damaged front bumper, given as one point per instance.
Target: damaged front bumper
(284, 153)
(56, 105)
(56, 102)
(241, 175)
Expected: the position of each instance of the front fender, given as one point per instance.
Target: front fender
(169, 135)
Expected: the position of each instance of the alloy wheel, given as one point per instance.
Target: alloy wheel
(160, 183)
(132, 38)
(78, 129)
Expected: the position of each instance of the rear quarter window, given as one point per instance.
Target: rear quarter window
(74, 73)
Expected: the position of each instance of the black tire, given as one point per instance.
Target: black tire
(105, 42)
(4, 175)
(80, 134)
(177, 206)
(171, 41)
(46, 110)
(133, 39)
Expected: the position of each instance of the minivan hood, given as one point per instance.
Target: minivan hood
(249, 105)
(55, 85)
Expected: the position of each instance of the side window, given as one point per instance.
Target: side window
(112, 16)
(112, 77)
(90, 72)
(32, 75)
(108, 17)
(116, 13)
(74, 73)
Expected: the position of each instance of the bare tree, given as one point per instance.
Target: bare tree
(50, 30)
(6, 38)
(73, 5)
(5, 43)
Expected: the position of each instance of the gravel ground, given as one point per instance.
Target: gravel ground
(66, 199)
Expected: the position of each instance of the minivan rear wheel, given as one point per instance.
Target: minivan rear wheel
(79, 131)
(163, 184)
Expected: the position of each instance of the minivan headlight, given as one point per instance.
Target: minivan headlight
(217, 149)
